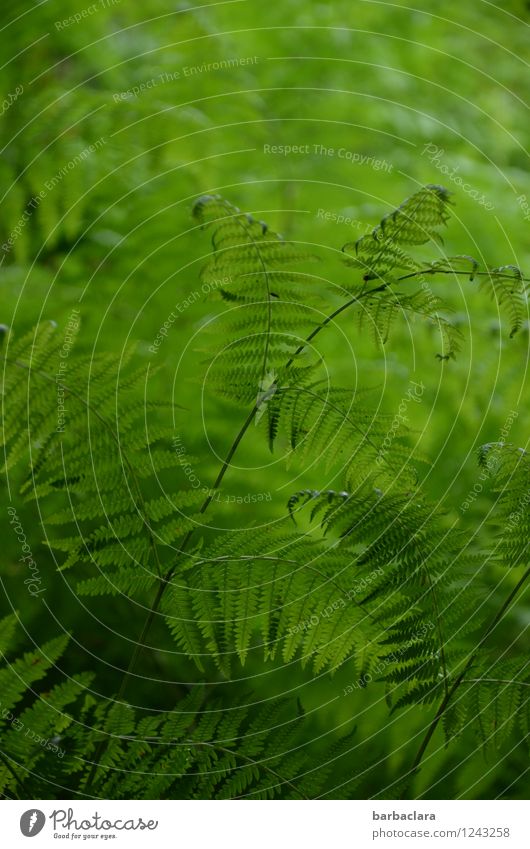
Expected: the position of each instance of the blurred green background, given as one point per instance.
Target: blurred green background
(128, 113)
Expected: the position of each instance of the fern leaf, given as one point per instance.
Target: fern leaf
(417, 221)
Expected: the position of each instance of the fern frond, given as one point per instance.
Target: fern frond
(506, 285)
(382, 310)
(508, 289)
(270, 594)
(271, 315)
(192, 752)
(97, 474)
(335, 428)
(508, 468)
(418, 220)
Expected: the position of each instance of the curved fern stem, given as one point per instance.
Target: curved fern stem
(250, 418)
(139, 645)
(162, 588)
(330, 318)
(433, 271)
(460, 679)
(495, 681)
(164, 581)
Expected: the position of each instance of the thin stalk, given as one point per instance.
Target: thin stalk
(220, 476)
(330, 317)
(226, 463)
(496, 681)
(461, 272)
(459, 680)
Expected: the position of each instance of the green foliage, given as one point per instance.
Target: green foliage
(341, 548)
(508, 468)
(270, 304)
(417, 221)
(377, 576)
(89, 464)
(189, 752)
(506, 285)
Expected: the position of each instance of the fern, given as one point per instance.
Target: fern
(250, 269)
(417, 221)
(182, 753)
(94, 474)
(509, 470)
(505, 284)
(372, 576)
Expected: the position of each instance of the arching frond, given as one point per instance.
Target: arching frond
(418, 220)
